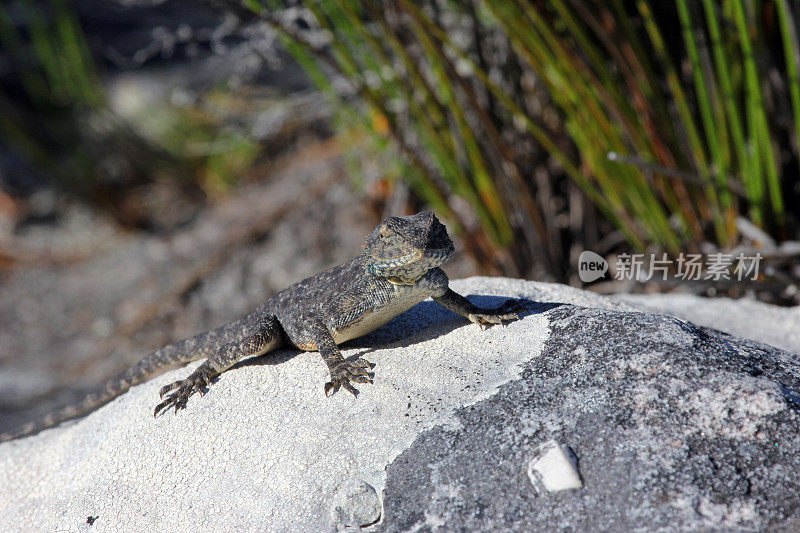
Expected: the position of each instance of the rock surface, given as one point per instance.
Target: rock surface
(673, 426)
(749, 319)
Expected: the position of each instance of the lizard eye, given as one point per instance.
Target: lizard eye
(384, 232)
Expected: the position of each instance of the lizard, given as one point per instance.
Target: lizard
(399, 267)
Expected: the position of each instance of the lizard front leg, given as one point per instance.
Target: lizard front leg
(342, 371)
(264, 337)
(483, 317)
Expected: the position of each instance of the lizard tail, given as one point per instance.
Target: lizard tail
(170, 355)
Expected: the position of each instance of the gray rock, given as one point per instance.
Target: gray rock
(677, 427)
(749, 319)
(674, 426)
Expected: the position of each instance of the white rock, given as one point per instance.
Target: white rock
(554, 468)
(264, 443)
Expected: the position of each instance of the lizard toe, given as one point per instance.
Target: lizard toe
(163, 405)
(356, 372)
(349, 388)
(167, 388)
(332, 387)
(366, 378)
(362, 363)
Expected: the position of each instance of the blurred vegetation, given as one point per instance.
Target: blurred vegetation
(54, 76)
(55, 113)
(537, 128)
(673, 118)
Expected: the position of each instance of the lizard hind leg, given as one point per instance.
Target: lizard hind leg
(258, 339)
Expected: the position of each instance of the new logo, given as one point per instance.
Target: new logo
(591, 266)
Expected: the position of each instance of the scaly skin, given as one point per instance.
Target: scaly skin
(398, 268)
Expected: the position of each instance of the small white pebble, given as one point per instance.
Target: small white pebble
(554, 468)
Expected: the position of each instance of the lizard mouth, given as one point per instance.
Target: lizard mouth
(399, 261)
(438, 256)
(408, 268)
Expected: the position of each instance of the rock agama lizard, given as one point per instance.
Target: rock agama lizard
(398, 268)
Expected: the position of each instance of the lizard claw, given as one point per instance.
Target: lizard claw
(344, 372)
(506, 312)
(196, 382)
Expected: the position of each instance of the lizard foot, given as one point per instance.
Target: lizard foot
(343, 372)
(489, 317)
(196, 382)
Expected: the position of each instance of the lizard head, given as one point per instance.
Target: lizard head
(403, 249)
